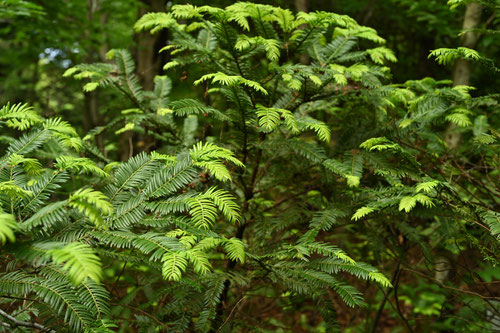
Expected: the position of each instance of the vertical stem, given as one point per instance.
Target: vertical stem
(395, 276)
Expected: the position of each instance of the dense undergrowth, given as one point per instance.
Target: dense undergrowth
(296, 189)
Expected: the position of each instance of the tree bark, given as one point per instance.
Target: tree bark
(91, 115)
(425, 43)
(148, 65)
(367, 13)
(462, 70)
(301, 5)
(148, 61)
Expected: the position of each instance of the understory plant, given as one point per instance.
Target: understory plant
(292, 187)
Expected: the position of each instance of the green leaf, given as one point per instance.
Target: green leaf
(79, 164)
(93, 204)
(426, 186)
(79, 260)
(174, 264)
(445, 56)
(459, 119)
(362, 212)
(480, 125)
(235, 249)
(19, 116)
(381, 54)
(319, 127)
(8, 226)
(10, 189)
(230, 80)
(407, 203)
(91, 86)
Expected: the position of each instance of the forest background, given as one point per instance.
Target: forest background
(437, 277)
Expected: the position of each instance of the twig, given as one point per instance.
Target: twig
(230, 313)
(396, 285)
(451, 288)
(386, 296)
(279, 202)
(118, 278)
(17, 322)
(141, 311)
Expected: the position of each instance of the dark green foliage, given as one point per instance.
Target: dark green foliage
(292, 188)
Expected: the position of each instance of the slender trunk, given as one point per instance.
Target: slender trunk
(148, 65)
(425, 44)
(148, 61)
(380, 309)
(367, 12)
(462, 70)
(104, 48)
(91, 115)
(302, 6)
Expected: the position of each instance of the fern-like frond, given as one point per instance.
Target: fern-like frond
(154, 22)
(60, 296)
(42, 187)
(11, 190)
(47, 216)
(446, 56)
(231, 80)
(79, 260)
(79, 164)
(29, 142)
(188, 106)
(210, 157)
(171, 179)
(203, 211)
(225, 202)
(133, 173)
(93, 204)
(174, 264)
(8, 226)
(31, 165)
(235, 249)
(19, 116)
(317, 126)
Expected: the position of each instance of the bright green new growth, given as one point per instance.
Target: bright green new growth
(293, 148)
(65, 238)
(79, 260)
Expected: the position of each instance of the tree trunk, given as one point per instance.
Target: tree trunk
(462, 70)
(147, 59)
(301, 5)
(91, 115)
(425, 43)
(148, 65)
(472, 19)
(367, 13)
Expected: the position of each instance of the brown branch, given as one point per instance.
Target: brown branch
(451, 288)
(395, 276)
(143, 312)
(19, 323)
(278, 203)
(230, 313)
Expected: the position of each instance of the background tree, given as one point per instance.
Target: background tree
(276, 168)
